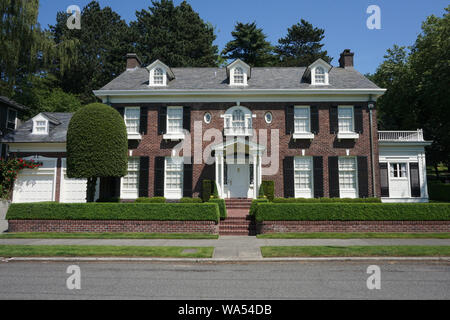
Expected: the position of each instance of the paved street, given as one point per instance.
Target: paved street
(324, 280)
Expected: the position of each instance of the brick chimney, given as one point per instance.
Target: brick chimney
(133, 61)
(346, 59)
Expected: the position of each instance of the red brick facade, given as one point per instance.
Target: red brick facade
(324, 143)
(210, 227)
(353, 226)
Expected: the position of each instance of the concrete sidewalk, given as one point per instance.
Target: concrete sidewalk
(231, 247)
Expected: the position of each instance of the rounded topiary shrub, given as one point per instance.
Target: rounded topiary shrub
(97, 145)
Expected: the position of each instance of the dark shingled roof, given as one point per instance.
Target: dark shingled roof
(59, 122)
(12, 103)
(262, 78)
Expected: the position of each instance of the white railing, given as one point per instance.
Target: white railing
(401, 135)
(238, 131)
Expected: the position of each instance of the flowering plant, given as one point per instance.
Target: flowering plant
(9, 169)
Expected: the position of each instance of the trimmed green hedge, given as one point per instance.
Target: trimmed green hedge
(190, 200)
(439, 191)
(151, 200)
(206, 190)
(352, 211)
(269, 189)
(114, 211)
(327, 200)
(222, 207)
(254, 204)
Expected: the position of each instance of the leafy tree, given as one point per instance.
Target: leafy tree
(418, 87)
(250, 45)
(101, 45)
(174, 34)
(97, 145)
(301, 46)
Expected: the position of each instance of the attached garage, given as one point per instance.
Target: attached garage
(36, 185)
(72, 190)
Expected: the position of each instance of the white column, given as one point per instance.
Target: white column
(221, 173)
(255, 177)
(423, 178)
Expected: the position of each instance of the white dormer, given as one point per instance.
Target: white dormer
(40, 124)
(160, 74)
(318, 72)
(238, 72)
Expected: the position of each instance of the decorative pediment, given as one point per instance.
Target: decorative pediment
(159, 74)
(238, 72)
(317, 72)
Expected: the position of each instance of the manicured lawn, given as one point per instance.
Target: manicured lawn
(353, 235)
(103, 251)
(110, 235)
(354, 251)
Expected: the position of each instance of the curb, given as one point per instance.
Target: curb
(217, 260)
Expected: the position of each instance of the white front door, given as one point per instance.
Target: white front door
(238, 180)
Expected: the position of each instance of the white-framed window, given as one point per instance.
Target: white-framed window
(130, 182)
(398, 170)
(132, 119)
(319, 75)
(345, 119)
(303, 177)
(40, 126)
(173, 174)
(302, 119)
(238, 121)
(268, 117)
(158, 76)
(347, 174)
(238, 75)
(174, 120)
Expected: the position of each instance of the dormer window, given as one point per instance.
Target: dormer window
(238, 76)
(160, 74)
(318, 72)
(238, 72)
(320, 75)
(40, 126)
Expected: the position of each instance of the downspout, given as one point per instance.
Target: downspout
(371, 106)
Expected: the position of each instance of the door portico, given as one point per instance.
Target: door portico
(238, 168)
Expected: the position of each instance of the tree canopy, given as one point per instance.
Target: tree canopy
(175, 35)
(97, 145)
(301, 46)
(250, 45)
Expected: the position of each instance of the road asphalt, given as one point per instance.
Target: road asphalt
(230, 247)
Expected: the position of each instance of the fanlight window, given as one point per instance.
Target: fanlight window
(320, 75)
(238, 76)
(238, 121)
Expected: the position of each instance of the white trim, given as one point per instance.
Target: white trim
(36, 147)
(301, 193)
(130, 194)
(133, 135)
(173, 193)
(348, 193)
(40, 118)
(303, 135)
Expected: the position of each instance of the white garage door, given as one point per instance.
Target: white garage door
(36, 185)
(73, 190)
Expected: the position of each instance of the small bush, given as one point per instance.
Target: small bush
(269, 189)
(215, 193)
(114, 211)
(261, 194)
(254, 204)
(206, 190)
(190, 200)
(439, 191)
(353, 211)
(151, 200)
(222, 207)
(106, 200)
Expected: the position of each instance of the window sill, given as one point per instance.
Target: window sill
(174, 136)
(134, 136)
(303, 135)
(347, 135)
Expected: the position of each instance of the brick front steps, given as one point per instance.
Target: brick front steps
(238, 222)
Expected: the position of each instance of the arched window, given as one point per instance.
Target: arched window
(320, 75)
(238, 75)
(158, 76)
(238, 121)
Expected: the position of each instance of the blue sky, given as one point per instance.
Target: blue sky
(344, 21)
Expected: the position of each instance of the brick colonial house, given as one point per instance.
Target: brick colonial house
(312, 130)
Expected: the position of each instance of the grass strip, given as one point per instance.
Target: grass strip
(106, 235)
(353, 235)
(102, 251)
(355, 251)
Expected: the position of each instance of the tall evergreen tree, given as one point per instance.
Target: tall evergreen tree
(175, 35)
(301, 46)
(102, 44)
(250, 45)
